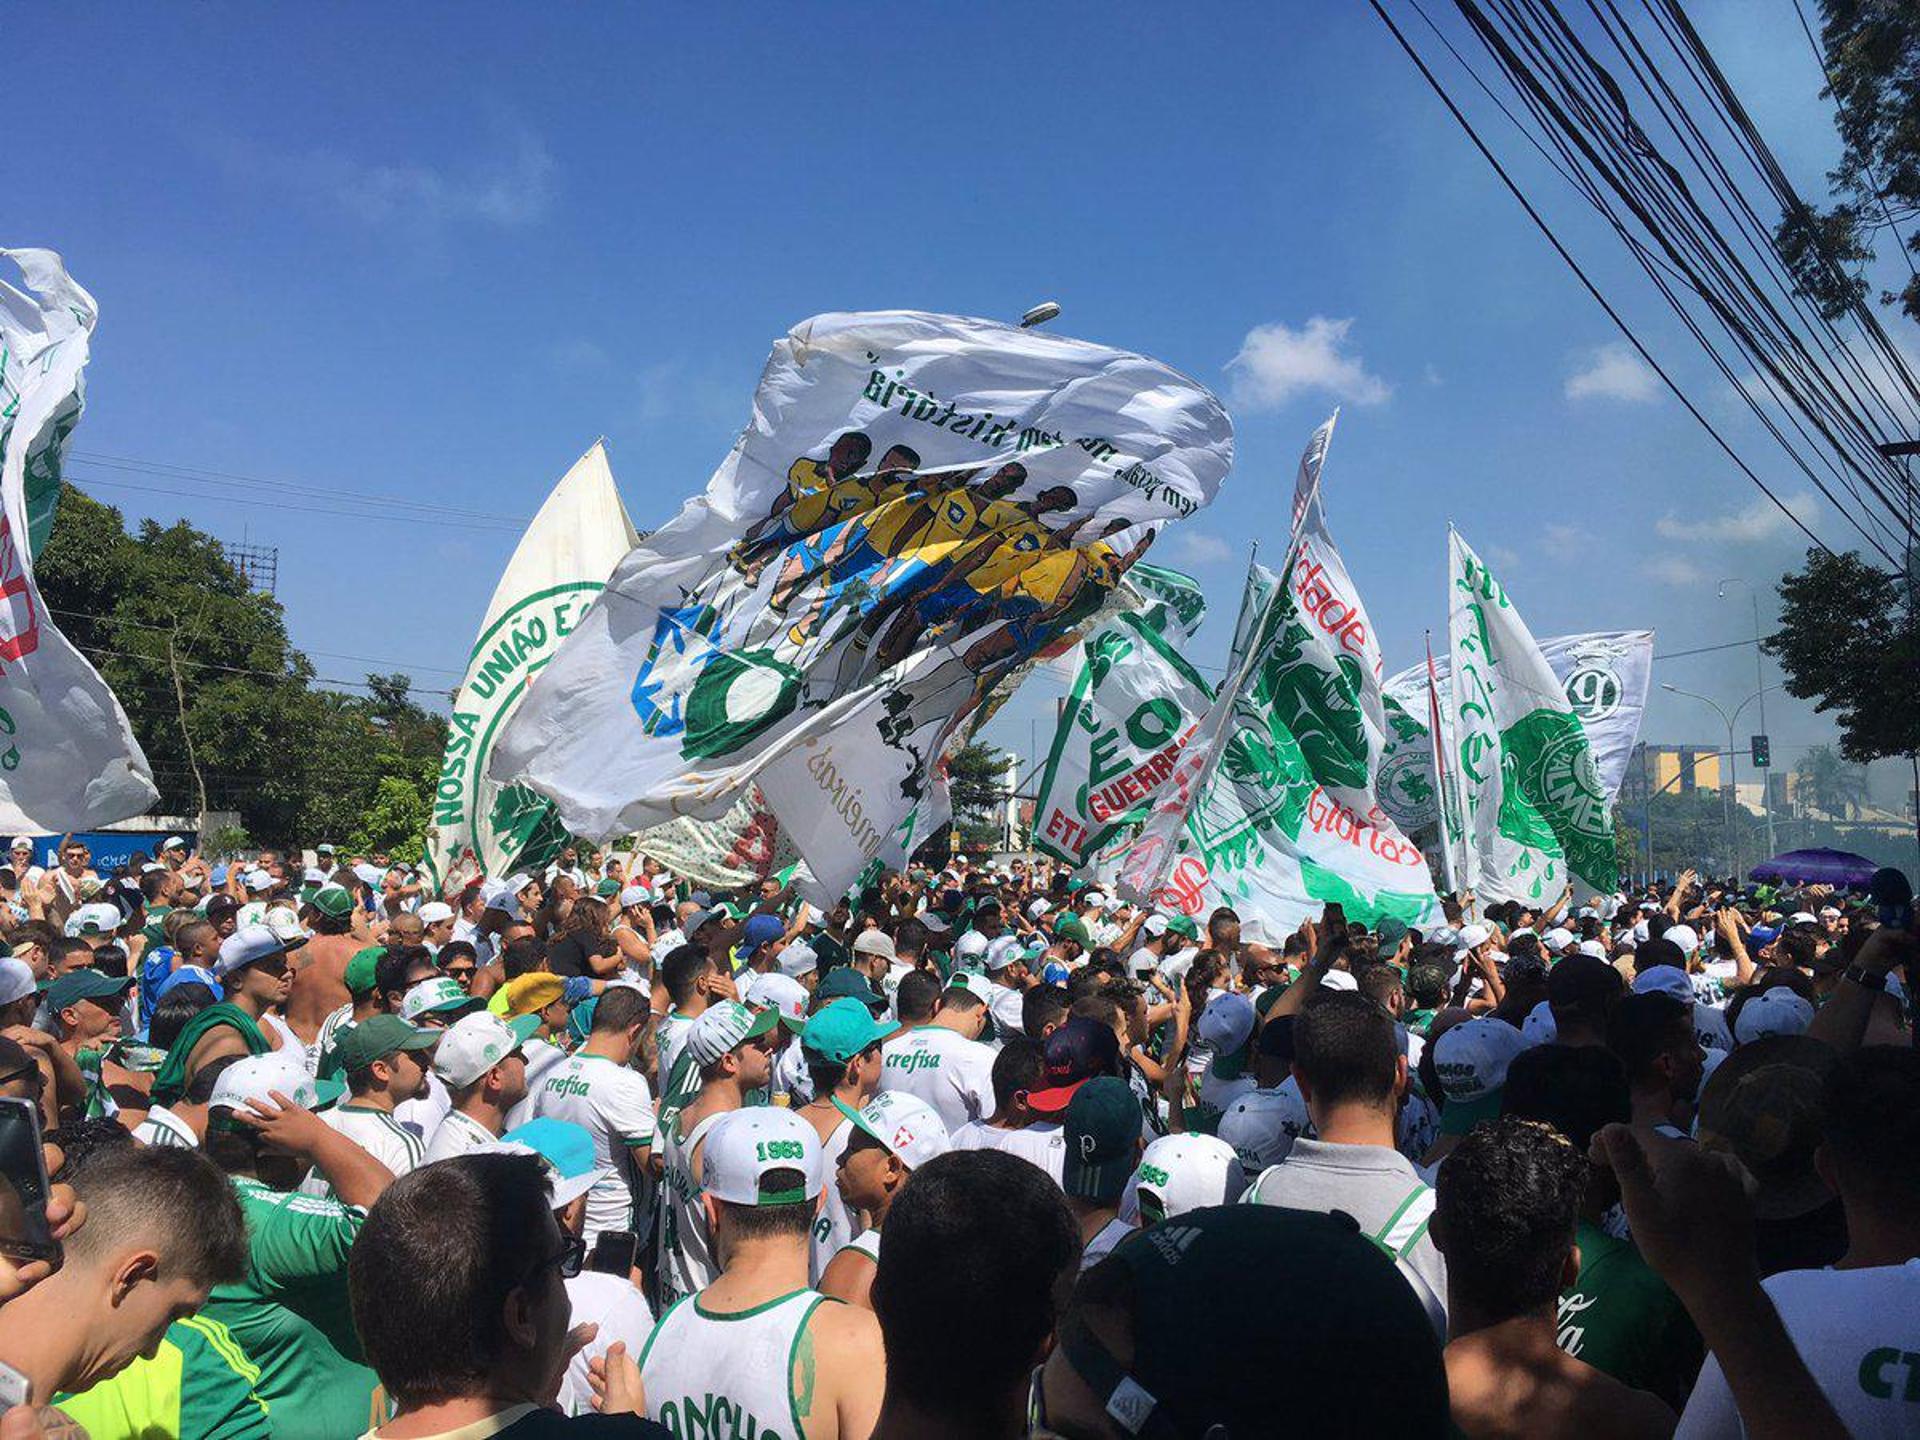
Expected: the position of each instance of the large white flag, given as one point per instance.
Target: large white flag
(1535, 811)
(560, 565)
(1605, 675)
(1134, 703)
(920, 504)
(68, 759)
(1273, 809)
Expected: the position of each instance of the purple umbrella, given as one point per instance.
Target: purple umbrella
(1839, 868)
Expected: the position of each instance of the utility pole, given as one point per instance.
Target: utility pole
(180, 699)
(1760, 688)
(1906, 450)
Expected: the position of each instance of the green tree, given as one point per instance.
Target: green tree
(977, 781)
(1872, 51)
(216, 694)
(1830, 785)
(1849, 640)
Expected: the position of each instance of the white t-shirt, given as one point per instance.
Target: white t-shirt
(1710, 1028)
(616, 1305)
(542, 1056)
(1857, 1330)
(458, 1135)
(1041, 1144)
(1101, 1245)
(615, 1105)
(1007, 1005)
(944, 1068)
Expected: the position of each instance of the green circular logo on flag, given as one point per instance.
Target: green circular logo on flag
(738, 696)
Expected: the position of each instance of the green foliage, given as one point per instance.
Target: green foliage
(977, 781)
(1872, 50)
(1829, 785)
(228, 840)
(1850, 642)
(300, 764)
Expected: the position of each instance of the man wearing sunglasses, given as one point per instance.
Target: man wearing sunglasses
(254, 973)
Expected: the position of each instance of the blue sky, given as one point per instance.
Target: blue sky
(433, 251)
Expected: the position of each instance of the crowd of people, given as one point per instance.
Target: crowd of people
(593, 1149)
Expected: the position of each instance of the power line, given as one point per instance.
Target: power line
(330, 654)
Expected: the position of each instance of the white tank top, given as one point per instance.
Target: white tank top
(835, 1225)
(867, 1242)
(709, 1374)
(687, 1262)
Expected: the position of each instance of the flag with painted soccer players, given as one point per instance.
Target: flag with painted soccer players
(1272, 810)
(68, 759)
(559, 566)
(1134, 703)
(1533, 805)
(919, 504)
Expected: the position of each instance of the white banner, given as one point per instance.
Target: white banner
(1605, 675)
(68, 759)
(1135, 702)
(560, 565)
(742, 847)
(1536, 816)
(1277, 814)
(919, 505)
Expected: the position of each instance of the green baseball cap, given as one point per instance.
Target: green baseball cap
(333, 901)
(1102, 1125)
(1069, 927)
(361, 969)
(358, 1046)
(78, 985)
(607, 889)
(1391, 930)
(844, 982)
(843, 1029)
(1183, 926)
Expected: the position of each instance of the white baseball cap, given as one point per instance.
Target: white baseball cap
(1155, 926)
(434, 911)
(1226, 1023)
(873, 942)
(1474, 935)
(475, 1043)
(719, 1028)
(517, 882)
(1472, 1059)
(1664, 980)
(1539, 1028)
(1803, 917)
(16, 980)
(970, 946)
(1774, 1011)
(905, 1124)
(635, 895)
(22, 842)
(1339, 980)
(99, 918)
(259, 880)
(797, 958)
(1593, 948)
(1093, 897)
(257, 1077)
(1557, 940)
(286, 924)
(1186, 1172)
(783, 994)
(1002, 951)
(172, 842)
(1262, 1125)
(438, 992)
(1829, 912)
(1685, 936)
(974, 983)
(1039, 908)
(745, 1145)
(248, 945)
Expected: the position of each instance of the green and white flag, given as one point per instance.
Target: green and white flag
(1272, 810)
(1534, 807)
(559, 566)
(68, 759)
(919, 505)
(1134, 703)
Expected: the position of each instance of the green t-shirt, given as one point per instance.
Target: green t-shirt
(171, 1081)
(291, 1314)
(1621, 1318)
(197, 1386)
(828, 952)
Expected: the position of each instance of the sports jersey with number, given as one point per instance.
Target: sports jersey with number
(614, 1104)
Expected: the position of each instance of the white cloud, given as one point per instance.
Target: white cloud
(1674, 570)
(1505, 556)
(1277, 362)
(1749, 525)
(1614, 372)
(1196, 547)
(512, 187)
(1565, 541)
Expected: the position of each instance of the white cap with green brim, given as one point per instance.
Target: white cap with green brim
(1186, 1172)
(721, 1027)
(260, 1077)
(475, 1043)
(744, 1147)
(440, 993)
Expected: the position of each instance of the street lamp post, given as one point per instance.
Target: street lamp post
(1731, 796)
(1759, 679)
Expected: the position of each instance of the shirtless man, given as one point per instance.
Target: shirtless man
(319, 986)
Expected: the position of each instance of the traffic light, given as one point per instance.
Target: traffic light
(1762, 753)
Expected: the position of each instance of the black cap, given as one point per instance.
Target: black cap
(1582, 982)
(1078, 1051)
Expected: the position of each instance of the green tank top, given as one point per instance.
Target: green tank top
(171, 1081)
